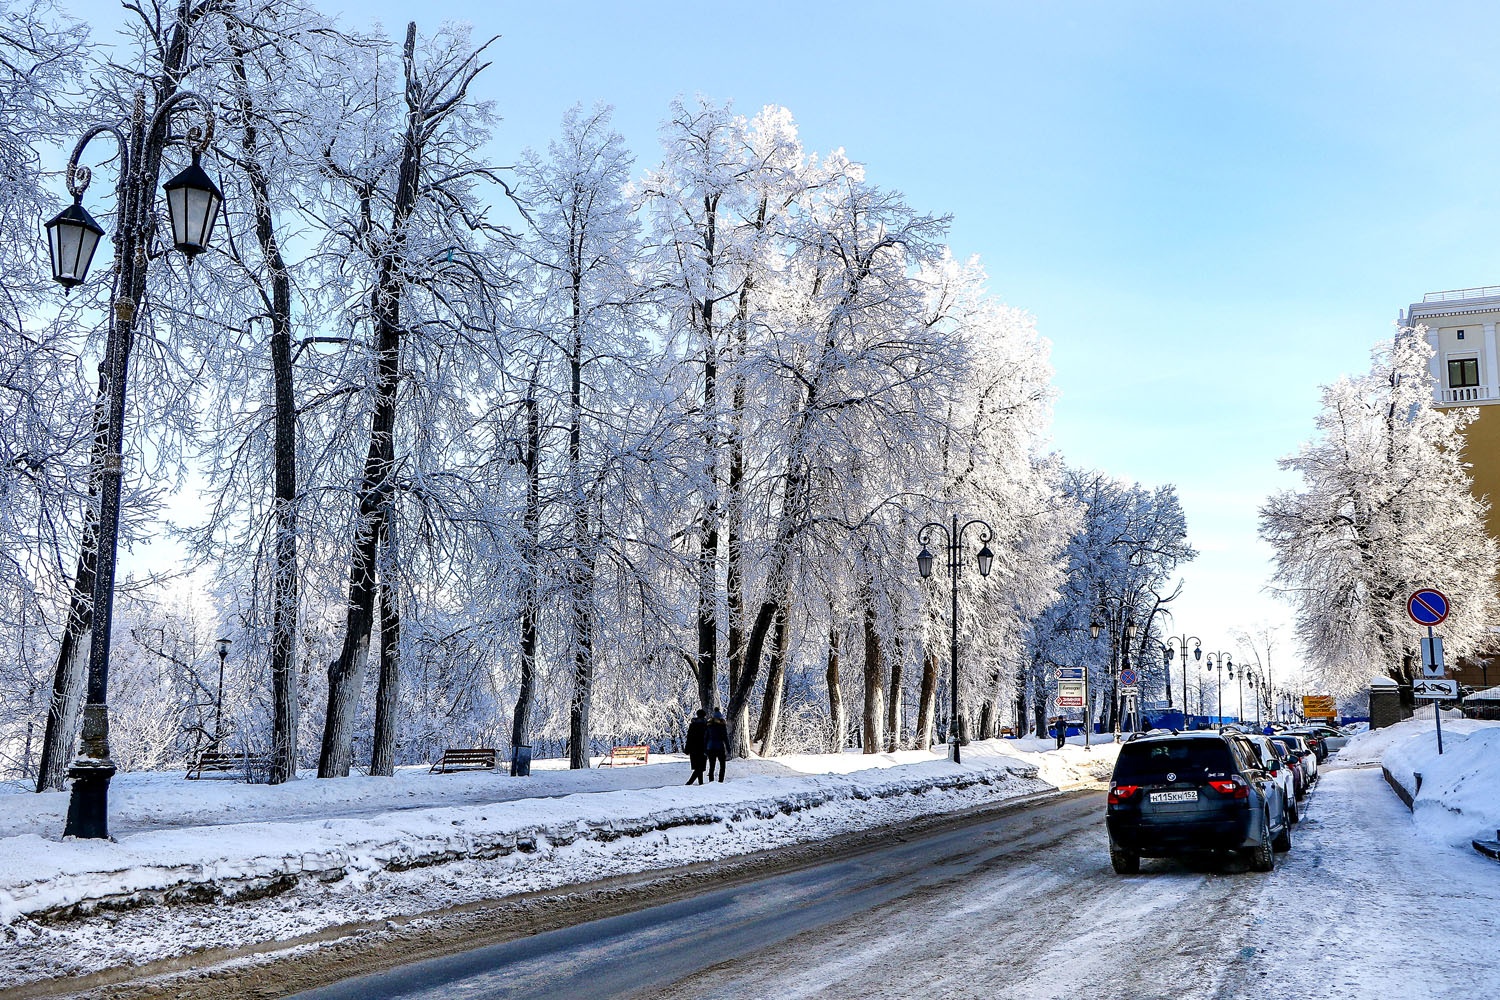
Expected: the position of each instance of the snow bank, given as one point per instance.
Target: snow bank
(180, 860)
(1458, 797)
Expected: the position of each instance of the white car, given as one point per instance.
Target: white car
(1281, 769)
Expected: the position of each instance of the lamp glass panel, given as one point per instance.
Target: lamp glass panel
(71, 244)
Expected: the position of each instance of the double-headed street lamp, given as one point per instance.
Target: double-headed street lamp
(1257, 685)
(193, 203)
(1182, 647)
(1217, 663)
(986, 559)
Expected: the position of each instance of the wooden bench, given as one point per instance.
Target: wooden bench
(628, 755)
(476, 759)
(228, 765)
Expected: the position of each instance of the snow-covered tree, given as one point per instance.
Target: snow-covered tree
(1384, 508)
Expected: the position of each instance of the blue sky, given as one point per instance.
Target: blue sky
(1210, 208)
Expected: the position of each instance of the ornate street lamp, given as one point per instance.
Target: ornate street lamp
(72, 238)
(985, 559)
(223, 645)
(1217, 663)
(1182, 641)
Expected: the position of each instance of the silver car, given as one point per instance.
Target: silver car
(1281, 767)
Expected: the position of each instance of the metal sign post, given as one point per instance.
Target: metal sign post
(1430, 607)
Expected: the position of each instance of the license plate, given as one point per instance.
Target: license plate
(1191, 795)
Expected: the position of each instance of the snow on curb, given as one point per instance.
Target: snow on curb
(48, 882)
(1454, 796)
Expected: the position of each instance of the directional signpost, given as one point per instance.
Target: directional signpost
(1430, 607)
(1073, 692)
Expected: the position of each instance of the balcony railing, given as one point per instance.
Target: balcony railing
(1466, 394)
(1456, 294)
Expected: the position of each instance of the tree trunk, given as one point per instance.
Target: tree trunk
(583, 671)
(582, 571)
(893, 705)
(874, 676)
(531, 521)
(837, 714)
(284, 578)
(346, 674)
(388, 693)
(68, 675)
(927, 702)
(770, 716)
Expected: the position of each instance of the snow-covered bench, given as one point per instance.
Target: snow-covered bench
(475, 759)
(228, 765)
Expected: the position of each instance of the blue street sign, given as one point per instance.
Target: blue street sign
(1070, 673)
(1427, 607)
(1128, 677)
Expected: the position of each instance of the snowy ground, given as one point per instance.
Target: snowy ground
(1371, 901)
(223, 863)
(310, 855)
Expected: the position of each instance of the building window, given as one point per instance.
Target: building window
(1460, 335)
(1463, 373)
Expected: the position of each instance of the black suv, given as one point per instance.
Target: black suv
(1187, 792)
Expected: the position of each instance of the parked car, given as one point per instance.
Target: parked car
(1305, 755)
(1332, 737)
(1190, 792)
(1313, 740)
(1288, 773)
(1293, 767)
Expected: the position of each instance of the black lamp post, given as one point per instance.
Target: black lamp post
(986, 559)
(1217, 663)
(72, 238)
(223, 645)
(1240, 681)
(1182, 645)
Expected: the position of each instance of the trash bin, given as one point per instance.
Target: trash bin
(520, 761)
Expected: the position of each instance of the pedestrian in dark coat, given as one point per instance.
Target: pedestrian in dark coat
(1062, 732)
(717, 744)
(697, 745)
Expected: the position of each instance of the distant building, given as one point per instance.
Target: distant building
(1466, 372)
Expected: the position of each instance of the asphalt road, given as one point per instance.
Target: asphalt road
(1025, 897)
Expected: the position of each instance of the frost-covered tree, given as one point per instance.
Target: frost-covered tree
(1384, 508)
(1120, 564)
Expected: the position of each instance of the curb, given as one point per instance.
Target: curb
(1489, 848)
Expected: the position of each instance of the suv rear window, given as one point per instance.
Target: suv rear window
(1148, 763)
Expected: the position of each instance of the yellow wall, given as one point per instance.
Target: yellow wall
(1482, 452)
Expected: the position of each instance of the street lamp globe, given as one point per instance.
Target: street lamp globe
(193, 201)
(1094, 629)
(924, 563)
(72, 238)
(223, 645)
(986, 559)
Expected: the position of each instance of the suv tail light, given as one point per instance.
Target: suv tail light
(1122, 793)
(1234, 787)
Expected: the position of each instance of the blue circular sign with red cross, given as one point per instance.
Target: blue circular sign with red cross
(1427, 607)
(1128, 677)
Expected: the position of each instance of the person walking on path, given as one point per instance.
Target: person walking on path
(716, 742)
(1062, 732)
(697, 745)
